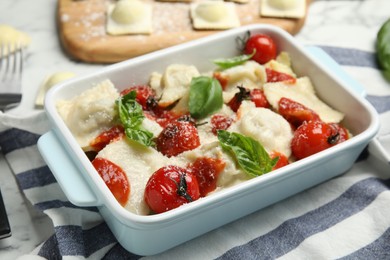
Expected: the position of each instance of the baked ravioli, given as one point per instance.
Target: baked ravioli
(214, 15)
(129, 17)
(186, 134)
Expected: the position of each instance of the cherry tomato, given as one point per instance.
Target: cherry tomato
(276, 76)
(114, 177)
(106, 137)
(257, 96)
(296, 113)
(265, 48)
(282, 161)
(207, 171)
(144, 94)
(170, 187)
(220, 122)
(237, 99)
(342, 133)
(315, 136)
(177, 137)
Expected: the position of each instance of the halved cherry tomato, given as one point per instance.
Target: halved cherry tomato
(144, 94)
(220, 122)
(178, 136)
(276, 76)
(223, 79)
(207, 170)
(282, 161)
(114, 177)
(265, 48)
(315, 136)
(106, 137)
(237, 99)
(170, 187)
(296, 113)
(257, 96)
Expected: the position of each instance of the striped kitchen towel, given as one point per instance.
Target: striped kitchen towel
(347, 217)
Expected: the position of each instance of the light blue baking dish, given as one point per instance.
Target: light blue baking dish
(148, 235)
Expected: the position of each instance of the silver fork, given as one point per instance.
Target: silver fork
(11, 68)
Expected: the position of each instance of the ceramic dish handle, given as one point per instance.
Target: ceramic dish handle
(66, 172)
(375, 146)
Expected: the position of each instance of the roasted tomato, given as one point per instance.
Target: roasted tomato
(106, 137)
(207, 171)
(114, 177)
(276, 76)
(144, 95)
(170, 187)
(265, 48)
(282, 161)
(223, 80)
(255, 95)
(220, 122)
(178, 136)
(315, 136)
(296, 113)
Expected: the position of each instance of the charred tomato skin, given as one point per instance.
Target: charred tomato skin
(315, 136)
(170, 187)
(207, 170)
(177, 137)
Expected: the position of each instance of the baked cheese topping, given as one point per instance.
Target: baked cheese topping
(129, 17)
(214, 15)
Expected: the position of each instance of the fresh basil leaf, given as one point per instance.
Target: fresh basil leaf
(235, 61)
(131, 117)
(205, 96)
(140, 136)
(250, 154)
(383, 48)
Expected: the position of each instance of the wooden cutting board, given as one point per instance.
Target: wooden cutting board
(81, 26)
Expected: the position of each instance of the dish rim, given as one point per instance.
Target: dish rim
(105, 197)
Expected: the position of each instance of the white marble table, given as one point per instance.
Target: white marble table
(339, 23)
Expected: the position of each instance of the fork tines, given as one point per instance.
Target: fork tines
(11, 68)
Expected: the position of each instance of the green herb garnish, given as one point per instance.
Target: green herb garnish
(131, 116)
(250, 154)
(383, 48)
(205, 96)
(235, 61)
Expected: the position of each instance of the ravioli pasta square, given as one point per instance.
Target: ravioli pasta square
(214, 15)
(283, 8)
(176, 1)
(129, 17)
